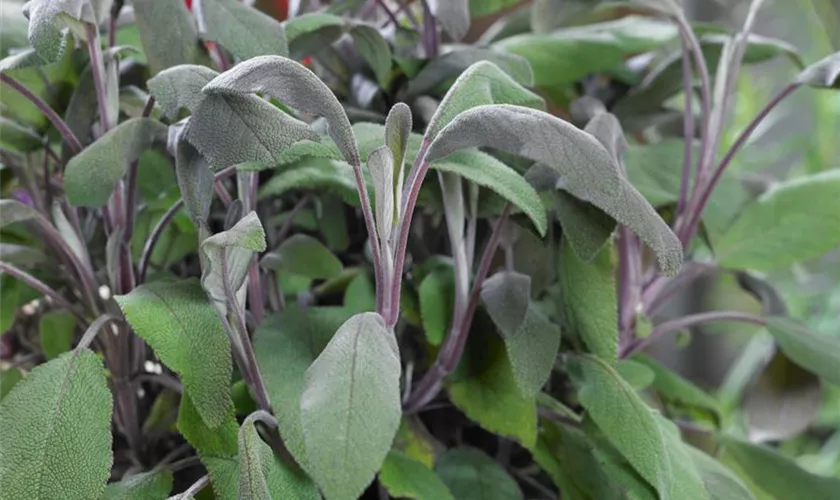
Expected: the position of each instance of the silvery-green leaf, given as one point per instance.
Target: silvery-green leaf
(470, 474)
(530, 338)
(24, 59)
(587, 227)
(180, 87)
(17, 137)
(12, 211)
(152, 485)
(397, 132)
(822, 74)
(587, 169)
(482, 83)
(375, 51)
(262, 475)
(350, 408)
(311, 32)
(453, 16)
(380, 163)
(255, 130)
(68, 234)
(227, 256)
(91, 175)
(453, 63)
(293, 84)
(720, 482)
(195, 181)
(243, 30)
(816, 352)
(168, 33)
(303, 255)
(49, 18)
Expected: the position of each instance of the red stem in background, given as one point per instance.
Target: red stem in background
(453, 347)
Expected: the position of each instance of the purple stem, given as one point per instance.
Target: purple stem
(376, 255)
(453, 347)
(42, 287)
(255, 284)
(688, 321)
(705, 85)
(697, 210)
(131, 184)
(96, 67)
(629, 283)
(688, 126)
(389, 12)
(430, 34)
(67, 134)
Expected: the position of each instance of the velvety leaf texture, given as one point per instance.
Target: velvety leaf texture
(285, 345)
(586, 169)
(294, 85)
(397, 133)
(380, 164)
(91, 175)
(633, 429)
(243, 30)
(407, 477)
(453, 63)
(350, 408)
(255, 130)
(720, 482)
(471, 475)
(673, 387)
(262, 475)
(179, 323)
(180, 87)
(56, 439)
(816, 352)
(482, 83)
(589, 300)
(453, 16)
(304, 255)
(195, 181)
(586, 227)
(795, 221)
(12, 211)
(144, 486)
(47, 19)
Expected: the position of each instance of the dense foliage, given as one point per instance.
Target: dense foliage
(350, 254)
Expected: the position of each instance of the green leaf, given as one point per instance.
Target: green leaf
(380, 164)
(720, 482)
(16, 137)
(168, 33)
(589, 300)
(586, 227)
(303, 255)
(824, 73)
(27, 58)
(567, 55)
(227, 256)
(285, 345)
(177, 321)
(817, 353)
(472, 475)
(672, 387)
(49, 19)
(57, 329)
(530, 338)
(56, 439)
(588, 172)
(375, 50)
(155, 485)
(407, 477)
(479, 8)
(180, 87)
(483, 386)
(437, 298)
(262, 475)
(569, 457)
(455, 62)
(243, 30)
(397, 133)
(310, 32)
(481, 83)
(453, 16)
(777, 474)
(634, 373)
(315, 174)
(91, 175)
(217, 448)
(351, 397)
(12, 211)
(255, 130)
(795, 221)
(8, 379)
(360, 295)
(195, 180)
(294, 85)
(632, 427)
